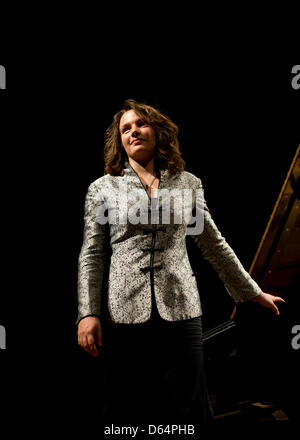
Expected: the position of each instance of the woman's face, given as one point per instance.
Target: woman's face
(138, 138)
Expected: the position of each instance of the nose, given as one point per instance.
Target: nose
(135, 131)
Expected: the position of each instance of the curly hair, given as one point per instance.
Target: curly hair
(167, 154)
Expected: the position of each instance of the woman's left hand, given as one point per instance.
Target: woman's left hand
(268, 300)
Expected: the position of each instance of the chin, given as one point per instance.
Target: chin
(140, 151)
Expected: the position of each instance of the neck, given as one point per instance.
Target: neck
(145, 169)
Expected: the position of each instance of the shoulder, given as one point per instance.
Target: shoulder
(188, 179)
(101, 182)
(95, 188)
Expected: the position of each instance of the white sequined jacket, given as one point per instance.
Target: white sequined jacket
(148, 259)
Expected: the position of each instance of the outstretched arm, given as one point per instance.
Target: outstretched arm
(238, 282)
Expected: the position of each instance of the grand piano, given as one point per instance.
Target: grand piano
(251, 366)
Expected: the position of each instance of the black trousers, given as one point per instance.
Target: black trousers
(153, 373)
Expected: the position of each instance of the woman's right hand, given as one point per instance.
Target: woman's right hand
(90, 334)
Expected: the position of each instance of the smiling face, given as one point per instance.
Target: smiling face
(137, 136)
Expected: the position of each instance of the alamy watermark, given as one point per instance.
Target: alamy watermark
(2, 337)
(296, 79)
(168, 207)
(2, 77)
(296, 339)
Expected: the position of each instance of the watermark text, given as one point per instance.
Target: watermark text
(2, 337)
(2, 77)
(296, 78)
(296, 339)
(168, 207)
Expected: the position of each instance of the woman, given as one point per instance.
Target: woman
(149, 323)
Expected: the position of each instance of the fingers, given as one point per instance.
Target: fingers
(86, 338)
(92, 349)
(278, 298)
(275, 308)
(90, 346)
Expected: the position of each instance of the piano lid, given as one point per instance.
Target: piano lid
(277, 260)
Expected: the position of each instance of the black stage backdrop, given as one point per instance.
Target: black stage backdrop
(238, 118)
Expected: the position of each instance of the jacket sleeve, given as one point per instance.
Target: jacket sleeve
(214, 248)
(92, 258)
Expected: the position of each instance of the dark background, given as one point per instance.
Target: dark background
(238, 118)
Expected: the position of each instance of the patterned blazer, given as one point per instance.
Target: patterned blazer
(123, 266)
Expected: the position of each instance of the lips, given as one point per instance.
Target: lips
(136, 141)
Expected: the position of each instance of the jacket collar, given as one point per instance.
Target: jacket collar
(129, 171)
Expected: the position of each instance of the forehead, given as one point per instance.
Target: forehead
(129, 117)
